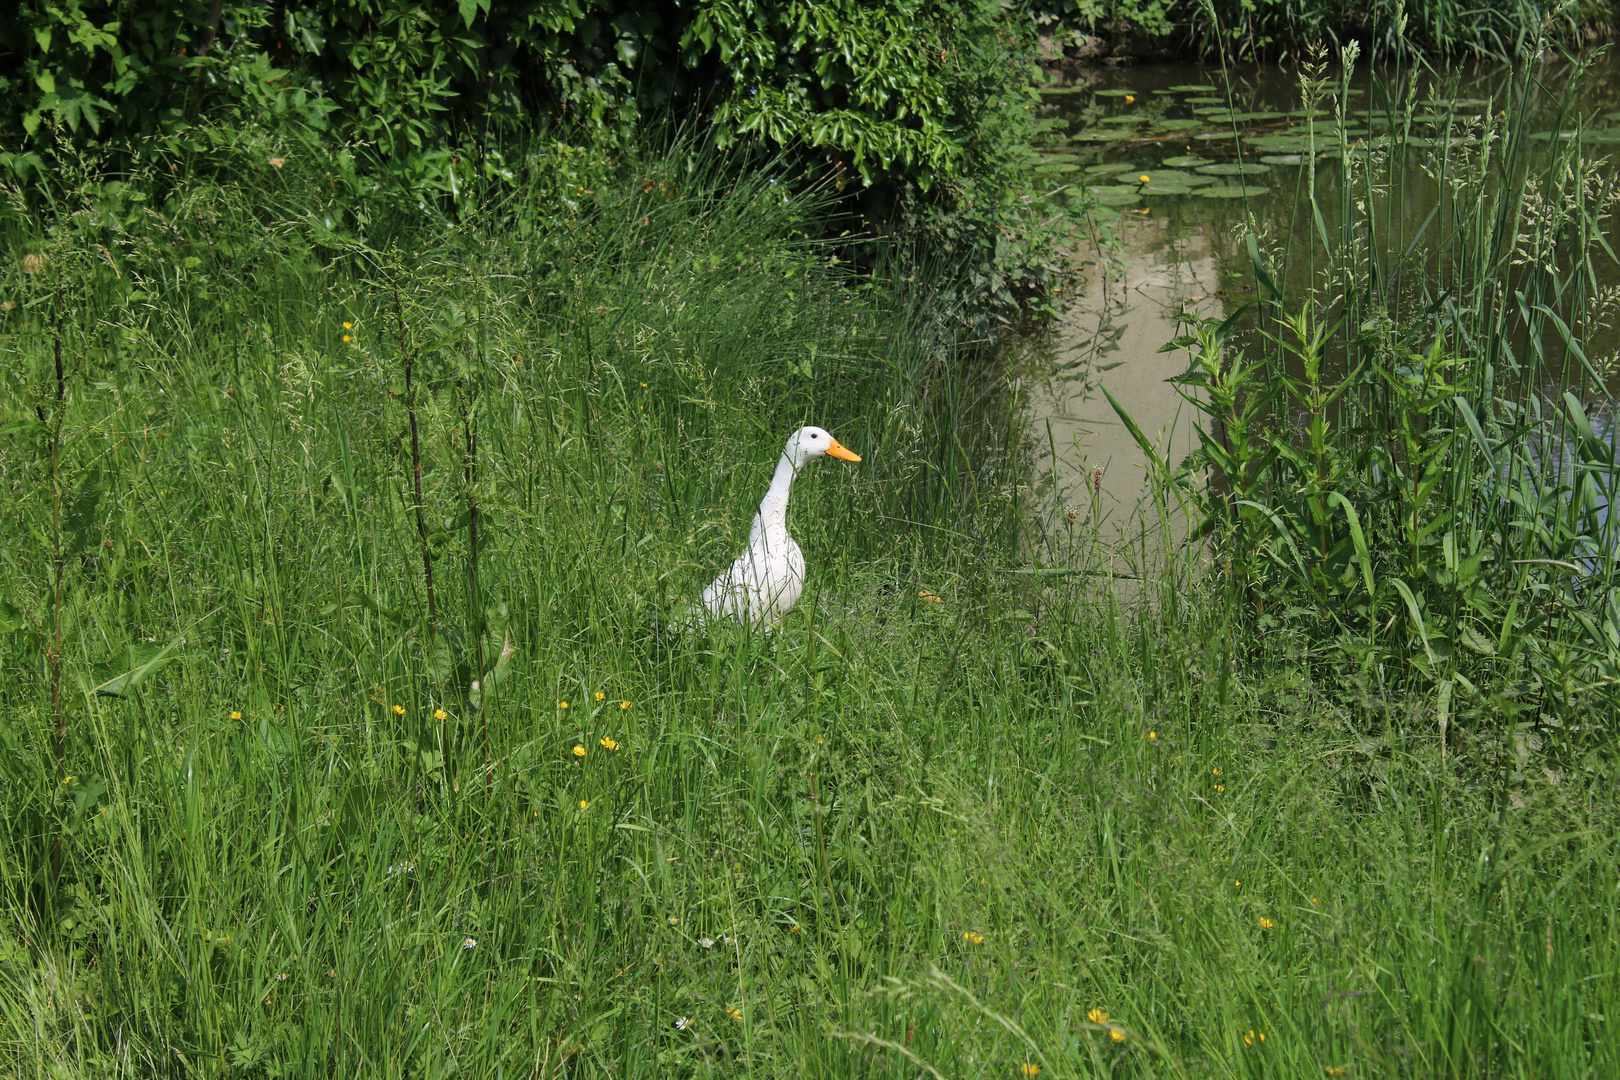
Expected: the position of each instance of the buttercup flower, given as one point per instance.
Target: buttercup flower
(1215, 771)
(1029, 1068)
(1116, 1034)
(735, 1014)
(977, 939)
(235, 715)
(609, 744)
(623, 705)
(584, 804)
(1153, 736)
(399, 710)
(579, 751)
(600, 695)
(1098, 1016)
(562, 704)
(1266, 924)
(440, 714)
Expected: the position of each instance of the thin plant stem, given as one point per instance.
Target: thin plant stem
(416, 467)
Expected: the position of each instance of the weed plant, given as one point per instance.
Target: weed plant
(952, 818)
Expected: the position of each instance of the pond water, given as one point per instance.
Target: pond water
(1184, 160)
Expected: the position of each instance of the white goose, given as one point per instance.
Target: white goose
(767, 578)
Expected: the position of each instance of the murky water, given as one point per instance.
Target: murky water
(1183, 164)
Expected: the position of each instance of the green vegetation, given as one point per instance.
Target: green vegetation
(916, 112)
(1269, 29)
(354, 724)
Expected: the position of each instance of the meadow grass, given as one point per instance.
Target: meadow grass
(953, 818)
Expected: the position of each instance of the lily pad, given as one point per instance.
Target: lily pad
(1177, 125)
(1226, 191)
(1117, 92)
(1193, 88)
(1108, 168)
(1204, 101)
(1234, 168)
(1095, 136)
(1115, 195)
(1283, 159)
(1185, 161)
(1127, 118)
(1057, 168)
(1150, 190)
(1281, 144)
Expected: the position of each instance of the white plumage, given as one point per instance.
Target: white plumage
(767, 578)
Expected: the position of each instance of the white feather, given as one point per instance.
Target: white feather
(766, 580)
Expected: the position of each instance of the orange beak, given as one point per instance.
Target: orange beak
(838, 450)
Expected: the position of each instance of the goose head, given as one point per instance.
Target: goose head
(814, 442)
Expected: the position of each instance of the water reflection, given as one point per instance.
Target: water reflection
(1189, 169)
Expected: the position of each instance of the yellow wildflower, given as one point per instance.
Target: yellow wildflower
(399, 710)
(1266, 924)
(1098, 1016)
(562, 704)
(1215, 771)
(977, 939)
(579, 751)
(584, 803)
(1116, 1034)
(235, 715)
(1144, 179)
(623, 705)
(735, 1014)
(600, 695)
(1029, 1068)
(440, 714)
(347, 339)
(348, 325)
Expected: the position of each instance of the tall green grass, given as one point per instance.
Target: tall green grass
(944, 820)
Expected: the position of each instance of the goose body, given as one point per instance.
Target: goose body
(767, 579)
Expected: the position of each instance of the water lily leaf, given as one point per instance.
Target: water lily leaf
(1057, 168)
(1108, 167)
(1227, 191)
(1117, 92)
(1094, 136)
(1281, 144)
(1193, 88)
(1177, 125)
(1282, 159)
(1234, 168)
(1184, 161)
(1114, 195)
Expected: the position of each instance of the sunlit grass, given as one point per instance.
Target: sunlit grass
(950, 819)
